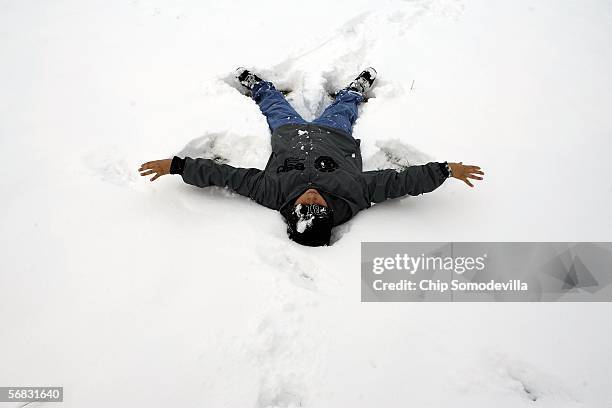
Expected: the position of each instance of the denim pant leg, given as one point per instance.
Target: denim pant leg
(274, 106)
(342, 113)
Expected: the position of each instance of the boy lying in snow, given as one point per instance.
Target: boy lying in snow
(314, 176)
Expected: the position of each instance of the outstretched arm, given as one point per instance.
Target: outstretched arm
(205, 172)
(415, 180)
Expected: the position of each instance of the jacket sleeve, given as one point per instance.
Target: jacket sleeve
(249, 182)
(414, 180)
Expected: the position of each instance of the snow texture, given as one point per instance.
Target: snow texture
(130, 294)
(304, 221)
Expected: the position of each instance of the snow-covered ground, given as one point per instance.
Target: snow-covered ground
(131, 293)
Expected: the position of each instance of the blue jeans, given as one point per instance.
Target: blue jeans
(341, 114)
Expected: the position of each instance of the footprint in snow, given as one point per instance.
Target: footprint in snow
(301, 271)
(111, 167)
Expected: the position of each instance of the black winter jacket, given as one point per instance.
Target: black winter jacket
(314, 156)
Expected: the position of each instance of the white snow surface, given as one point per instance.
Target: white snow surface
(131, 294)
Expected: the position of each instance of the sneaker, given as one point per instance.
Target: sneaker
(247, 78)
(363, 82)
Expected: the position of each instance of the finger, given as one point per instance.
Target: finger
(478, 172)
(468, 182)
(147, 172)
(155, 177)
(473, 168)
(474, 177)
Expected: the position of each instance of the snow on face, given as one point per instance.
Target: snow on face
(304, 221)
(302, 132)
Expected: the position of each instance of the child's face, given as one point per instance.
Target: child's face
(311, 196)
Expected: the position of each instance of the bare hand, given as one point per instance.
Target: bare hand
(157, 167)
(464, 172)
